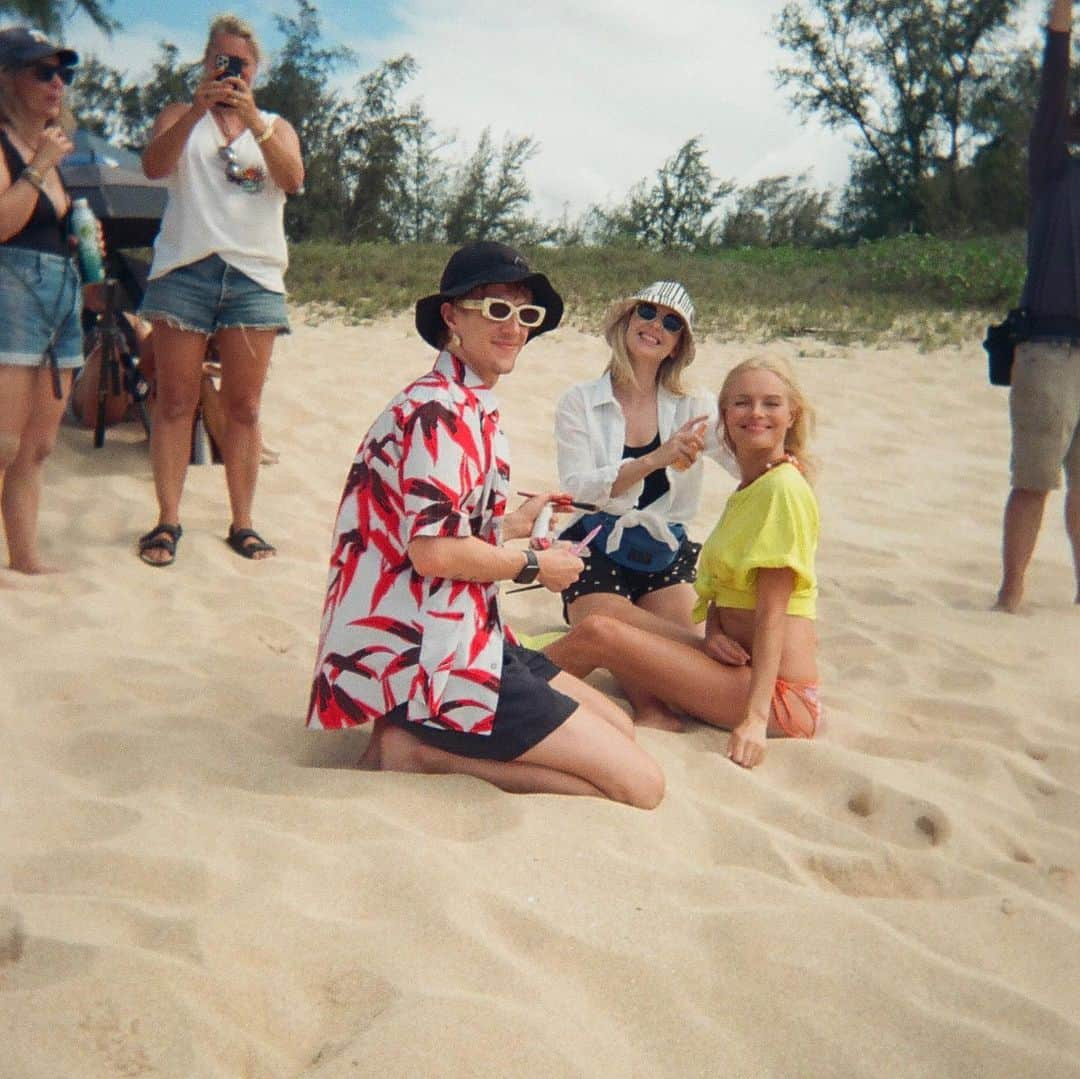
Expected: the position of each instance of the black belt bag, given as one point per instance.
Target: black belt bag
(1001, 341)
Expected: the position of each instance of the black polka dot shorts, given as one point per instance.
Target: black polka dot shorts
(603, 575)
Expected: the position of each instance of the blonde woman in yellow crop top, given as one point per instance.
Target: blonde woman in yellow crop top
(756, 671)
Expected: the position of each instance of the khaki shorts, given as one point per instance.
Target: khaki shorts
(1044, 407)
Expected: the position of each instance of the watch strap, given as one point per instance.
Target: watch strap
(531, 570)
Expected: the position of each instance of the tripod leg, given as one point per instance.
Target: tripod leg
(110, 370)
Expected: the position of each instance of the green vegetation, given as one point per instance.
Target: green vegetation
(916, 288)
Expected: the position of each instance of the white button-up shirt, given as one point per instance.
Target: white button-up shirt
(590, 433)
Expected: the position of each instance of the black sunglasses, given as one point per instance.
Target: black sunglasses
(647, 312)
(46, 73)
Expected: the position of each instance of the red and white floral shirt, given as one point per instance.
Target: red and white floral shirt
(435, 463)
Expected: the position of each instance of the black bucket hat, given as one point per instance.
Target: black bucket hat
(20, 46)
(485, 263)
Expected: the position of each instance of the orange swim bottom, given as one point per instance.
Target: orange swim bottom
(798, 725)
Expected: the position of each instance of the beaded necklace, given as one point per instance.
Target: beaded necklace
(787, 458)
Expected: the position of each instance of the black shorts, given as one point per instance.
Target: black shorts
(527, 712)
(602, 575)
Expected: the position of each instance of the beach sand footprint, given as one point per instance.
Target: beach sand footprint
(898, 818)
(881, 877)
(12, 936)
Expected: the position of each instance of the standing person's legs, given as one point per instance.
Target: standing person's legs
(179, 355)
(245, 359)
(1023, 519)
(29, 420)
(1072, 527)
(1072, 500)
(1044, 413)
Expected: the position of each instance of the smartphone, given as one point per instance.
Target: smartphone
(228, 67)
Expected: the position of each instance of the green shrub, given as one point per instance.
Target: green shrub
(911, 287)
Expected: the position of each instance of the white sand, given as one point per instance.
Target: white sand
(194, 886)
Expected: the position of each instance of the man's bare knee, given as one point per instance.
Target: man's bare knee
(644, 791)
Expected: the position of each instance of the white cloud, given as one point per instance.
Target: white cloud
(609, 88)
(612, 88)
(134, 50)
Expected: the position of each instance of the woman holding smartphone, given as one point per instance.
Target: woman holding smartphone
(40, 299)
(218, 270)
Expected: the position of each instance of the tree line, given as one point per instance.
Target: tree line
(937, 95)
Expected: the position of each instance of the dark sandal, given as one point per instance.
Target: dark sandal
(247, 542)
(160, 538)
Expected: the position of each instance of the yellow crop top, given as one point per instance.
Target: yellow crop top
(770, 524)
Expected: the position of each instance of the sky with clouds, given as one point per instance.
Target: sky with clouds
(609, 88)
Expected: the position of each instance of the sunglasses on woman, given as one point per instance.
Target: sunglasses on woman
(647, 312)
(46, 72)
(529, 315)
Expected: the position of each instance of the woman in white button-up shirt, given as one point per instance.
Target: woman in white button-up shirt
(631, 443)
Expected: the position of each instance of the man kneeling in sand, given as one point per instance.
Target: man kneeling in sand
(412, 638)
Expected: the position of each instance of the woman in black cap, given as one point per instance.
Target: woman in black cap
(412, 638)
(40, 333)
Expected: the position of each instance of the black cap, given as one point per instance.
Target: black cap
(20, 46)
(486, 263)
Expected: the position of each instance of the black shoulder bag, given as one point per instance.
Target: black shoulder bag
(1001, 341)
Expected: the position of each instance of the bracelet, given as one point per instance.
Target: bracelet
(260, 139)
(33, 177)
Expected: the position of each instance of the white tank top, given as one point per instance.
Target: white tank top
(207, 213)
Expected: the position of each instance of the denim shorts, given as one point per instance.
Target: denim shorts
(40, 303)
(211, 295)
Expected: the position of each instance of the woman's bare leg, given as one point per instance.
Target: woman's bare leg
(675, 604)
(179, 356)
(245, 360)
(665, 612)
(30, 420)
(614, 606)
(682, 675)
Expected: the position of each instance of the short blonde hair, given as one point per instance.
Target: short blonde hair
(622, 370)
(234, 26)
(797, 438)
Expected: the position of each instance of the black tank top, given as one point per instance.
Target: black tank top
(656, 482)
(44, 231)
